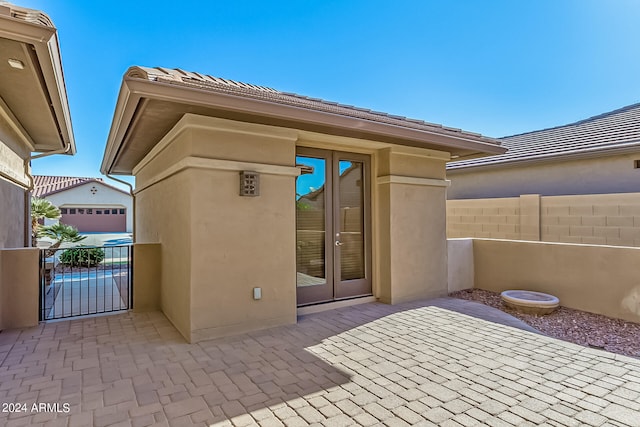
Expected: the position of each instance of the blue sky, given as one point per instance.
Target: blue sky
(493, 67)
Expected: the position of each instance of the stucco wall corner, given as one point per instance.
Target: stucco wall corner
(631, 301)
(460, 264)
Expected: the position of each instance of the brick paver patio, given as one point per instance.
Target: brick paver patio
(373, 364)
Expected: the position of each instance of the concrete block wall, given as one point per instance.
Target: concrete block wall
(484, 218)
(600, 219)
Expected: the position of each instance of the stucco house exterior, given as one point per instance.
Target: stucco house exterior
(34, 122)
(218, 167)
(598, 155)
(34, 113)
(89, 204)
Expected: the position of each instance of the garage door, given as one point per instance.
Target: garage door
(106, 220)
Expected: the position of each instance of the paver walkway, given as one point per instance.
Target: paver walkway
(373, 364)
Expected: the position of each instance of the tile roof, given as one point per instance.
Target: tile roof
(32, 16)
(615, 130)
(45, 184)
(220, 85)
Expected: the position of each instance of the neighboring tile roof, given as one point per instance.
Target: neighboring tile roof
(615, 130)
(45, 185)
(207, 82)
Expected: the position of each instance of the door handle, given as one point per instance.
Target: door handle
(339, 243)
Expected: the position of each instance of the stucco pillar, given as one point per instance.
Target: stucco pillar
(146, 277)
(411, 226)
(19, 288)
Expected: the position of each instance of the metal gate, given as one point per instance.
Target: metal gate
(85, 280)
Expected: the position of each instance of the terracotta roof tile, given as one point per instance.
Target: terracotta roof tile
(207, 82)
(614, 130)
(45, 184)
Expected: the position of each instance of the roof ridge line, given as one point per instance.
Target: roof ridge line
(179, 76)
(579, 122)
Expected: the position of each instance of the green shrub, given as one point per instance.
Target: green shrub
(82, 257)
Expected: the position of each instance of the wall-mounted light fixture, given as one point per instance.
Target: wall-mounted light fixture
(249, 183)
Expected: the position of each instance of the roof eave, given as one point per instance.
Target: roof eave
(126, 105)
(47, 50)
(133, 89)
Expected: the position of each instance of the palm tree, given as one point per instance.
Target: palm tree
(60, 233)
(41, 209)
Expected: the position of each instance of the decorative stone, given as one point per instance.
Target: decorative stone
(530, 302)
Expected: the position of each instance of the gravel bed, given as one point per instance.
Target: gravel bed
(580, 327)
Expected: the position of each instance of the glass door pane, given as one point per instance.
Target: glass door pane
(311, 200)
(351, 220)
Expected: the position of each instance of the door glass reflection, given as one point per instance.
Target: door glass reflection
(351, 220)
(310, 222)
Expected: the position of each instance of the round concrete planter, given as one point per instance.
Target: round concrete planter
(530, 302)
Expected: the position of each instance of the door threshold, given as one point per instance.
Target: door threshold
(310, 309)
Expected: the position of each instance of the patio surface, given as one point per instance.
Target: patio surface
(372, 364)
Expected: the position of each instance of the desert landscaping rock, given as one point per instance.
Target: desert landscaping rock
(580, 327)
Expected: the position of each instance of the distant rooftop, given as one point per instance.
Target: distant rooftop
(609, 132)
(46, 185)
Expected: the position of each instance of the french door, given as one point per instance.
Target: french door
(333, 226)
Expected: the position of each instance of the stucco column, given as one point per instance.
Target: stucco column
(411, 226)
(19, 288)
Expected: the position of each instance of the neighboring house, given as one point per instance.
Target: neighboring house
(594, 156)
(578, 183)
(34, 113)
(88, 204)
(216, 163)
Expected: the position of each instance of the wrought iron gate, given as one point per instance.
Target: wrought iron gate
(85, 280)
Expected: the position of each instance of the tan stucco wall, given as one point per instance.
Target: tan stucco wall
(19, 291)
(13, 184)
(597, 279)
(598, 175)
(147, 277)
(410, 225)
(165, 217)
(606, 219)
(244, 242)
(217, 246)
(12, 218)
(222, 245)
